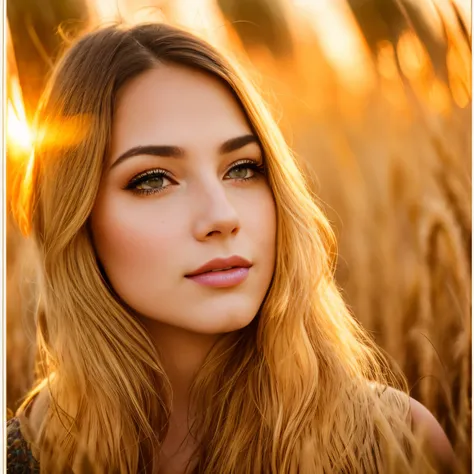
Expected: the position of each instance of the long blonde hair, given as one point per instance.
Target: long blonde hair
(301, 389)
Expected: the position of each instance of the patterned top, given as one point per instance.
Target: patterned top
(20, 459)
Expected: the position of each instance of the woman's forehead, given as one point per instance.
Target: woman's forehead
(176, 106)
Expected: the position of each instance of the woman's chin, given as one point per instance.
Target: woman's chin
(221, 324)
(210, 316)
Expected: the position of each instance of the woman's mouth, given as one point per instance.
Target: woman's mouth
(222, 272)
(222, 278)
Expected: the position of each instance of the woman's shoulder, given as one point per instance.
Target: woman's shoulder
(20, 458)
(437, 442)
(423, 422)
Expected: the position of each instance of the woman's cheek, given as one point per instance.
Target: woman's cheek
(259, 215)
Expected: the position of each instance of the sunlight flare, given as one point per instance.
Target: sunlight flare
(19, 137)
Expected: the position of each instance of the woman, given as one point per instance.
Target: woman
(188, 317)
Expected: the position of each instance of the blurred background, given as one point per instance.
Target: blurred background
(375, 98)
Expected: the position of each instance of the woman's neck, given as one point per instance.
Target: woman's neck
(182, 354)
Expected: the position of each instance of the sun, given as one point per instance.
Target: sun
(19, 137)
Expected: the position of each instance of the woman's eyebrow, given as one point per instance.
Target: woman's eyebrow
(170, 151)
(153, 150)
(236, 143)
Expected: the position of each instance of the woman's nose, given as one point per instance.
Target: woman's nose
(215, 214)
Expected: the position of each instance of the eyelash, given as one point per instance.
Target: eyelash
(143, 178)
(259, 170)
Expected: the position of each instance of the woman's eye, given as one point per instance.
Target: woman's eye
(241, 172)
(156, 182)
(246, 171)
(149, 183)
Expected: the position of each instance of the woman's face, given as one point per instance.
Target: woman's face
(183, 186)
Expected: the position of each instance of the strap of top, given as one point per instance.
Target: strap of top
(20, 459)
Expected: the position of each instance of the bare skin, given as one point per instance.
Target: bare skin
(438, 446)
(200, 210)
(148, 243)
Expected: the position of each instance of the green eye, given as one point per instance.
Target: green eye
(240, 172)
(151, 183)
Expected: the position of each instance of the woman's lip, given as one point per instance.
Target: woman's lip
(222, 279)
(221, 263)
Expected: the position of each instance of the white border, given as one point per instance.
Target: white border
(3, 319)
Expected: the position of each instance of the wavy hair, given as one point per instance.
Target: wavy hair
(301, 389)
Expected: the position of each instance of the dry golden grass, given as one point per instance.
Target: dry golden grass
(392, 167)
